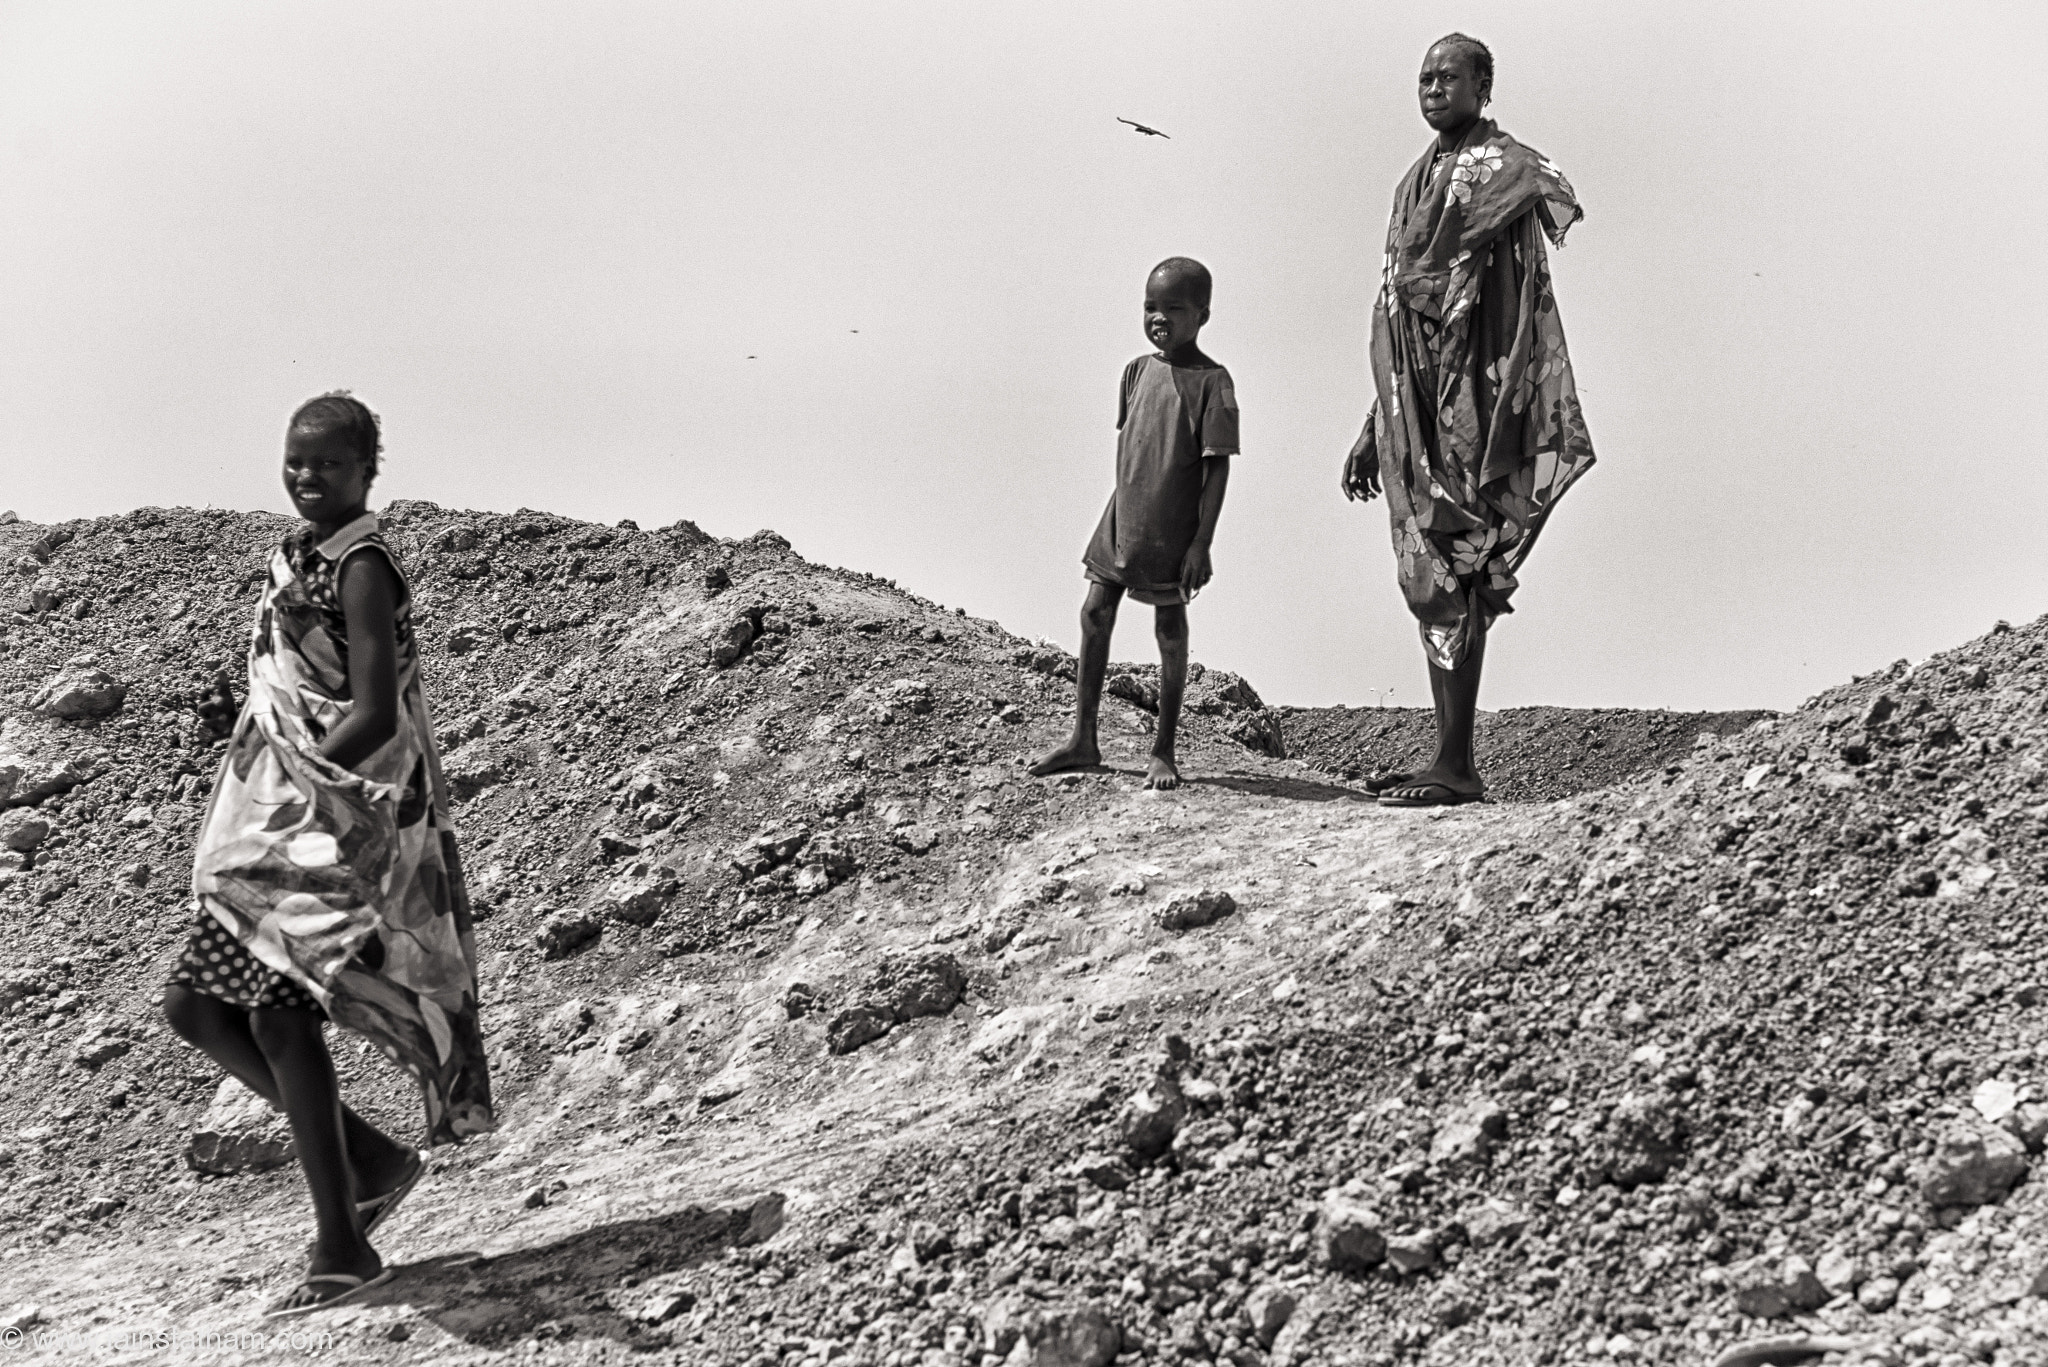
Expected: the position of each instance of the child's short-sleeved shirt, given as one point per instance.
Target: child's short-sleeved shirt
(1169, 419)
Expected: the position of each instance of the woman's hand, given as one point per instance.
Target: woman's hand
(1362, 475)
(1361, 478)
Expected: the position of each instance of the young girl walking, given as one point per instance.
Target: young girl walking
(326, 878)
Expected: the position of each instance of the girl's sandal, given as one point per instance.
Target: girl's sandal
(373, 1212)
(350, 1286)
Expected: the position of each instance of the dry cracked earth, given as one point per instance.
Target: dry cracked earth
(823, 1034)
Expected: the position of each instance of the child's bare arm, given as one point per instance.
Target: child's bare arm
(1195, 568)
(369, 599)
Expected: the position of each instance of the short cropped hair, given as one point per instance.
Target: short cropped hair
(344, 414)
(1479, 54)
(1188, 273)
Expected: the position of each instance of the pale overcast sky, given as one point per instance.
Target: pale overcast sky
(544, 240)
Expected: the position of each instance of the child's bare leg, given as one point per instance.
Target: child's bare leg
(1098, 622)
(221, 1032)
(1456, 695)
(298, 1059)
(1170, 627)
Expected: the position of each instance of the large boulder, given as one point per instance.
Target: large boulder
(79, 690)
(238, 1133)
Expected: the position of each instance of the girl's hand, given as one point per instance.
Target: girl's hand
(217, 708)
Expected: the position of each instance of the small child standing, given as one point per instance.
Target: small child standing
(326, 879)
(1176, 432)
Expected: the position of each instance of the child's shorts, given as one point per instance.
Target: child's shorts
(215, 963)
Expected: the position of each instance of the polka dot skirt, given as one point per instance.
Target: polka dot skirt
(215, 963)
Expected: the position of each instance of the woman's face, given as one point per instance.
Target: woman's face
(1449, 90)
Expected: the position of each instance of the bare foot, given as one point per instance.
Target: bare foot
(1161, 774)
(1077, 753)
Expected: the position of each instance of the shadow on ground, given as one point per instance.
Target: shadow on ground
(574, 1288)
(1282, 786)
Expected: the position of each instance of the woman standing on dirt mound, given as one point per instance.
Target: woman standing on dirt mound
(1475, 430)
(326, 873)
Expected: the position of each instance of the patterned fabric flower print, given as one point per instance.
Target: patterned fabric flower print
(1472, 550)
(1476, 166)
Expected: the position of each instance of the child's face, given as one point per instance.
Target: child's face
(1448, 89)
(324, 474)
(1171, 318)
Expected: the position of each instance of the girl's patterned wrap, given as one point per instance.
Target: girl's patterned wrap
(1475, 423)
(347, 881)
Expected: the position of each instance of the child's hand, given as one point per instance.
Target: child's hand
(1195, 570)
(1362, 475)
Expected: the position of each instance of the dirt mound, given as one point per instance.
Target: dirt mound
(1528, 754)
(1747, 1047)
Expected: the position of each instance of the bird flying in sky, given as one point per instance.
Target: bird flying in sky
(1153, 132)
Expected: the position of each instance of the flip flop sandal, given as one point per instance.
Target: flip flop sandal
(1379, 783)
(1433, 795)
(351, 1287)
(372, 1213)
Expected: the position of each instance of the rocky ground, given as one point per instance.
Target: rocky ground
(821, 1033)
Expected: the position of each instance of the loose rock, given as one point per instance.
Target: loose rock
(1469, 1134)
(566, 932)
(1973, 1163)
(1349, 1234)
(1411, 1253)
(1153, 1116)
(22, 832)
(1267, 1310)
(1766, 1288)
(1193, 909)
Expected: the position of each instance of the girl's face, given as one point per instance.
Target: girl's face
(1449, 89)
(327, 480)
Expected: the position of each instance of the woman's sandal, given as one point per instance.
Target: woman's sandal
(350, 1284)
(1429, 795)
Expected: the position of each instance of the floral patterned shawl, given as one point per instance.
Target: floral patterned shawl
(347, 881)
(1476, 424)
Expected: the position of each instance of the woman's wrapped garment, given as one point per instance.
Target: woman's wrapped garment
(1475, 427)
